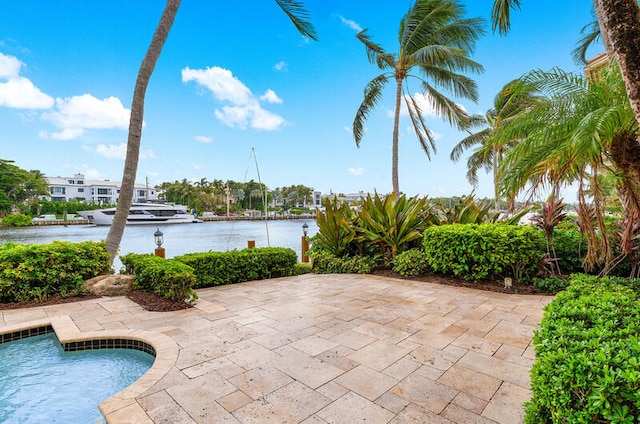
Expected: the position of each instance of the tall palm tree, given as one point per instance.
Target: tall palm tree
(292, 8)
(513, 99)
(437, 41)
(620, 27)
(580, 130)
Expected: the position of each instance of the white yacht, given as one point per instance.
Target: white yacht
(144, 213)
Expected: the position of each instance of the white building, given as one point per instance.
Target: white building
(93, 191)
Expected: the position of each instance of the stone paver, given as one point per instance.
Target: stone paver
(319, 349)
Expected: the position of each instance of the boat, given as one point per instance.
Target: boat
(144, 213)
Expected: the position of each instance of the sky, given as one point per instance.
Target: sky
(236, 80)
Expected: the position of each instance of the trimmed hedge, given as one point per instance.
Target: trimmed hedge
(587, 367)
(477, 252)
(412, 262)
(41, 271)
(236, 266)
(168, 278)
(327, 263)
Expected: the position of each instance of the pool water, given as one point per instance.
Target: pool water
(40, 383)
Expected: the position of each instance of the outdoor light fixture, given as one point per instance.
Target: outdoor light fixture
(305, 243)
(158, 236)
(305, 228)
(508, 282)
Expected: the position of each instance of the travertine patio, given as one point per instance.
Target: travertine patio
(318, 349)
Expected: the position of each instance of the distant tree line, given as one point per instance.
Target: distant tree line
(217, 195)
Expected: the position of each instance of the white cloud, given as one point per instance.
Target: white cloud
(351, 24)
(119, 151)
(203, 139)
(19, 92)
(271, 97)
(245, 109)
(73, 115)
(196, 166)
(280, 66)
(356, 171)
(348, 129)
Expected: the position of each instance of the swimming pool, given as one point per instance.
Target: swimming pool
(39, 382)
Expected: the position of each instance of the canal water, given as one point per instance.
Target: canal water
(218, 236)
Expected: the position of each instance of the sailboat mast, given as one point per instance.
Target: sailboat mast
(264, 196)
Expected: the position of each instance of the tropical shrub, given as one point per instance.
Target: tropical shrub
(587, 367)
(41, 271)
(477, 252)
(236, 266)
(551, 284)
(570, 247)
(17, 220)
(301, 268)
(168, 278)
(326, 263)
(336, 231)
(412, 262)
(392, 225)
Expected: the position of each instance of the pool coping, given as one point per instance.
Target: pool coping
(123, 403)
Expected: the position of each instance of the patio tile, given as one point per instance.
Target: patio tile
(259, 381)
(424, 392)
(514, 334)
(234, 401)
(366, 382)
(506, 406)
(292, 403)
(310, 371)
(352, 408)
(379, 355)
(470, 382)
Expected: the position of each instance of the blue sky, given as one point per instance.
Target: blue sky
(231, 79)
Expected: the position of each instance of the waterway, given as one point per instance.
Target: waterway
(178, 238)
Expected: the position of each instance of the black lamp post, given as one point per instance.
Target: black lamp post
(305, 243)
(158, 236)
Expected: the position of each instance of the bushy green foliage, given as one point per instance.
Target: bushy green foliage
(570, 248)
(392, 225)
(301, 268)
(168, 278)
(587, 367)
(477, 252)
(326, 263)
(336, 229)
(411, 262)
(17, 220)
(40, 271)
(236, 266)
(551, 284)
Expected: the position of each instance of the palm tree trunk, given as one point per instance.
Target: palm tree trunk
(495, 178)
(394, 148)
(620, 20)
(135, 127)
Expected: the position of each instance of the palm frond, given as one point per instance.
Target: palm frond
(501, 15)
(372, 95)
(591, 35)
(375, 52)
(299, 16)
(425, 137)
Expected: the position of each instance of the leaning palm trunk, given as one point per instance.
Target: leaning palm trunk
(620, 20)
(135, 127)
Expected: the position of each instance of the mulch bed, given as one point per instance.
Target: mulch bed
(155, 303)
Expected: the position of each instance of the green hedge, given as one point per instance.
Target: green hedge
(327, 263)
(412, 262)
(476, 252)
(587, 367)
(41, 271)
(168, 278)
(236, 266)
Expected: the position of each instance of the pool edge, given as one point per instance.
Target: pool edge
(122, 406)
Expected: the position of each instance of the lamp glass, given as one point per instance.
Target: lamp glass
(305, 227)
(158, 236)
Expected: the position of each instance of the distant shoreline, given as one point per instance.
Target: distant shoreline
(203, 219)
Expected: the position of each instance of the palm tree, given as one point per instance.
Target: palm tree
(436, 40)
(292, 8)
(580, 130)
(620, 28)
(513, 99)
